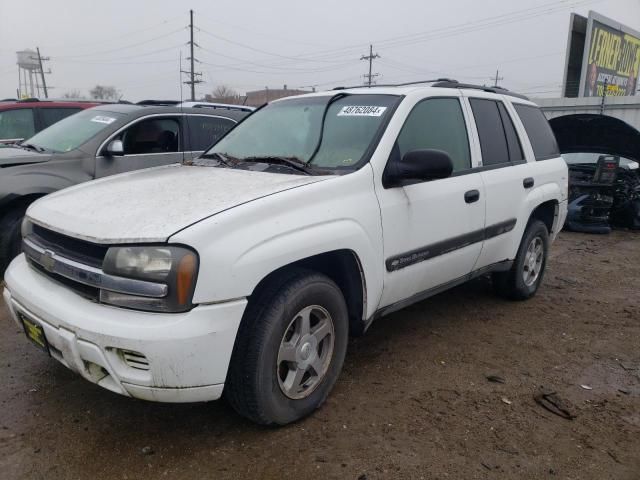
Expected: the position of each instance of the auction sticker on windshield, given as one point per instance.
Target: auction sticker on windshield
(361, 111)
(103, 119)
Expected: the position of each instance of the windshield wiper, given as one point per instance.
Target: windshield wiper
(291, 162)
(30, 146)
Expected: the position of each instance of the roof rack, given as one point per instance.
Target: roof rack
(158, 102)
(418, 82)
(498, 90)
(446, 83)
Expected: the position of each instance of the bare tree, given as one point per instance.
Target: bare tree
(77, 94)
(103, 92)
(223, 91)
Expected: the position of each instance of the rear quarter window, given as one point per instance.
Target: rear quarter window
(539, 132)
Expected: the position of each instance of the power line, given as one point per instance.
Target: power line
(370, 76)
(125, 46)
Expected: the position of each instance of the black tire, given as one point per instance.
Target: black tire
(253, 387)
(10, 238)
(511, 284)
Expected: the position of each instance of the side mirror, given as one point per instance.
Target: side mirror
(418, 166)
(114, 148)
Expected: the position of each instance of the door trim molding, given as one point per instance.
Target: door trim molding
(398, 262)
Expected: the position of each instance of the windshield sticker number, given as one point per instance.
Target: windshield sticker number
(101, 119)
(361, 111)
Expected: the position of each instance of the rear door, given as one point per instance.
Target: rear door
(505, 176)
(201, 131)
(148, 142)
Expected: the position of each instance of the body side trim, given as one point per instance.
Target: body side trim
(421, 254)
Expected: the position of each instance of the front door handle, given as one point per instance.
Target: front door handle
(528, 182)
(472, 196)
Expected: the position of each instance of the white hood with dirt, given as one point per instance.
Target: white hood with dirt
(151, 205)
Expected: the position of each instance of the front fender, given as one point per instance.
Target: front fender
(241, 246)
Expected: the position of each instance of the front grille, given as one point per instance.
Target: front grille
(81, 251)
(81, 289)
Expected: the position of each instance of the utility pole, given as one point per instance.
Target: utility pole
(192, 73)
(370, 76)
(497, 79)
(42, 72)
(604, 95)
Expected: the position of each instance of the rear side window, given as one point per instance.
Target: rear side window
(437, 123)
(203, 131)
(513, 142)
(493, 141)
(50, 116)
(17, 124)
(539, 131)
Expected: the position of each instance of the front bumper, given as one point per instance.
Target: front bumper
(152, 356)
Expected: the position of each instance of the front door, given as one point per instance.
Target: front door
(432, 230)
(150, 142)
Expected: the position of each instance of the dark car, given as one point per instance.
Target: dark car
(96, 143)
(20, 119)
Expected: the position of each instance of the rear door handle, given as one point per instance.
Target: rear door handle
(528, 182)
(472, 196)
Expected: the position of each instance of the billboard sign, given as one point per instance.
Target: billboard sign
(611, 58)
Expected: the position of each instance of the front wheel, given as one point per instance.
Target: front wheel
(289, 350)
(525, 276)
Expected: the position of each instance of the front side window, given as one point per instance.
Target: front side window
(204, 131)
(71, 132)
(327, 132)
(437, 123)
(154, 135)
(539, 131)
(16, 124)
(50, 116)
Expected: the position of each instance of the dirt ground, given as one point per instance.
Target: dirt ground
(413, 400)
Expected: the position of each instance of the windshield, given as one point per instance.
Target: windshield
(292, 129)
(71, 132)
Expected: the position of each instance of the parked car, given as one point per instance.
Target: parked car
(245, 271)
(96, 143)
(20, 119)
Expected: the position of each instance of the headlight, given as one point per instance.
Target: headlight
(176, 267)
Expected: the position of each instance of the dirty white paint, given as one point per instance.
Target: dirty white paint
(150, 205)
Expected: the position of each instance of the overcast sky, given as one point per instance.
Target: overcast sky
(247, 45)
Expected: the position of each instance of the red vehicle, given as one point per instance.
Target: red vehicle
(21, 119)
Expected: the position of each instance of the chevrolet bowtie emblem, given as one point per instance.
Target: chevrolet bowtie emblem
(47, 260)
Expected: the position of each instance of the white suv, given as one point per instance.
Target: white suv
(246, 271)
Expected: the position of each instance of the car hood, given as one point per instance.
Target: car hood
(151, 205)
(11, 156)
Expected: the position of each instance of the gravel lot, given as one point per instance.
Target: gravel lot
(413, 400)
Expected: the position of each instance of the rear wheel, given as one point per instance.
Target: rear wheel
(10, 239)
(525, 276)
(289, 350)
